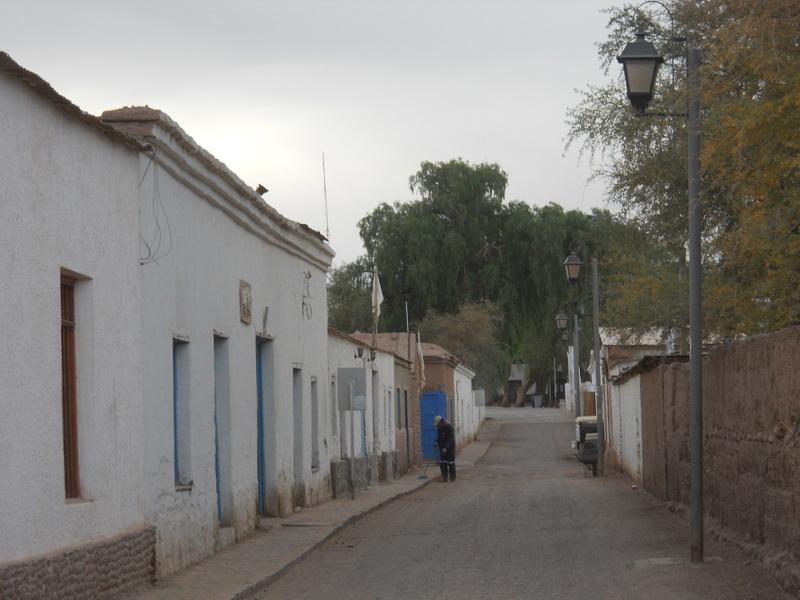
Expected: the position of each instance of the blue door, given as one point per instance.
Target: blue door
(430, 405)
(262, 473)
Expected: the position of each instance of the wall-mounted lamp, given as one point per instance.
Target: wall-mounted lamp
(359, 353)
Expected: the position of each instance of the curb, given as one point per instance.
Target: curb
(260, 586)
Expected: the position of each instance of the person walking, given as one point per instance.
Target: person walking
(446, 441)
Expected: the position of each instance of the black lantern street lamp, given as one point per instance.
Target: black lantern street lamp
(572, 265)
(561, 321)
(640, 61)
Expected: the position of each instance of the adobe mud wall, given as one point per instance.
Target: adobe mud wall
(751, 413)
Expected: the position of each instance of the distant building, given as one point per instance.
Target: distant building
(446, 372)
(623, 357)
(407, 368)
(365, 430)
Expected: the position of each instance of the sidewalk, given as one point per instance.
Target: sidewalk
(243, 569)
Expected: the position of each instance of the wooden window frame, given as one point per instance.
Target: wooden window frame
(69, 389)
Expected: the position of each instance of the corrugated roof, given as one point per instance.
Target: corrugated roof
(349, 338)
(397, 343)
(392, 343)
(9, 66)
(646, 363)
(627, 337)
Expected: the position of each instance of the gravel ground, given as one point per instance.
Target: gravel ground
(525, 522)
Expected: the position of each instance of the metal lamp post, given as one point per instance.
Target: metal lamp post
(572, 266)
(561, 323)
(640, 62)
(572, 269)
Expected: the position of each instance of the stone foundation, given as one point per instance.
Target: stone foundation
(339, 487)
(105, 569)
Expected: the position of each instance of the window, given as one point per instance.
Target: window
(297, 402)
(222, 432)
(398, 423)
(405, 409)
(69, 389)
(180, 413)
(314, 425)
(334, 409)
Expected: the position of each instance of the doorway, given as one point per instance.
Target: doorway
(222, 431)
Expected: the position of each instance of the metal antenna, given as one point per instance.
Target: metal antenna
(325, 189)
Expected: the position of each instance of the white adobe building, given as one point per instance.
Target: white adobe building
(368, 435)
(621, 354)
(164, 351)
(71, 450)
(235, 329)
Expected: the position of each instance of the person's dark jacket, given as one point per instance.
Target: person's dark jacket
(446, 437)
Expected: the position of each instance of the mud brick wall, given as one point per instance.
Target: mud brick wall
(654, 446)
(104, 569)
(751, 413)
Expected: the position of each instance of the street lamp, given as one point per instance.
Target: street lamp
(640, 65)
(572, 268)
(572, 265)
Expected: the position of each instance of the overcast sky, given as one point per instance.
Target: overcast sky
(377, 85)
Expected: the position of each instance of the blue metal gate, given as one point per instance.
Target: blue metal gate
(430, 405)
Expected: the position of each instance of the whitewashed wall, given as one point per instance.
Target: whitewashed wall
(627, 414)
(67, 200)
(383, 404)
(192, 293)
(342, 355)
(379, 416)
(468, 417)
(569, 389)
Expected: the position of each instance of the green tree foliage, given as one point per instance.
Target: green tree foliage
(459, 244)
(472, 334)
(350, 296)
(750, 83)
(751, 160)
(643, 161)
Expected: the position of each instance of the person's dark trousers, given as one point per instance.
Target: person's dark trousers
(447, 464)
(444, 464)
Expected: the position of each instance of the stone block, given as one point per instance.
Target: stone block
(104, 569)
